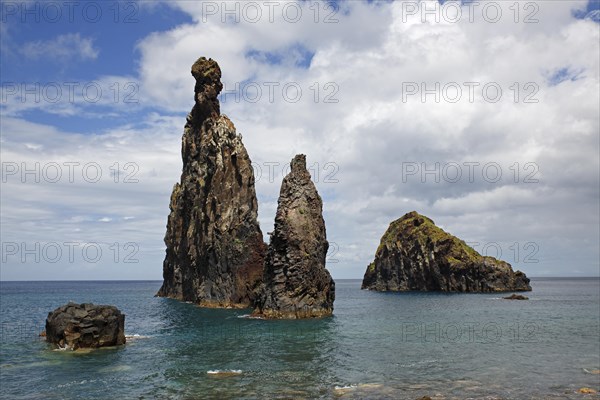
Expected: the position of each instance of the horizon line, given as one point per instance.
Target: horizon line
(160, 280)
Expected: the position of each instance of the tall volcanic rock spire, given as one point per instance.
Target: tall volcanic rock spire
(296, 283)
(215, 250)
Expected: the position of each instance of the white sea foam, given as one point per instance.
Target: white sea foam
(594, 371)
(348, 387)
(249, 316)
(135, 336)
(244, 316)
(224, 372)
(73, 383)
(360, 387)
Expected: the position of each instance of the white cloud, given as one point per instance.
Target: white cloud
(62, 48)
(67, 190)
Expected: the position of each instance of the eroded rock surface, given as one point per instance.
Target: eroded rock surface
(77, 326)
(296, 283)
(215, 248)
(414, 254)
(516, 297)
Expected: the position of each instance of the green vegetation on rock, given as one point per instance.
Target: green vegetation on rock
(416, 227)
(415, 254)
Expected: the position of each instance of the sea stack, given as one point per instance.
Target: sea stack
(78, 326)
(416, 255)
(296, 283)
(215, 249)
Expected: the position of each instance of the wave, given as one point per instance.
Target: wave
(135, 336)
(72, 383)
(341, 390)
(249, 316)
(347, 387)
(117, 368)
(224, 372)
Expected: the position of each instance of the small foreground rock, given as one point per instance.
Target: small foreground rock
(75, 326)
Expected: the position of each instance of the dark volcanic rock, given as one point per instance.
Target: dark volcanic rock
(414, 254)
(295, 282)
(516, 297)
(76, 326)
(215, 249)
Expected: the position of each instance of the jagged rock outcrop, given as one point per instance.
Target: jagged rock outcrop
(414, 254)
(516, 297)
(295, 282)
(76, 326)
(215, 248)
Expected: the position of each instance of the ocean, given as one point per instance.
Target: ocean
(376, 346)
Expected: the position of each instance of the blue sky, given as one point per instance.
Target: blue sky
(112, 29)
(369, 140)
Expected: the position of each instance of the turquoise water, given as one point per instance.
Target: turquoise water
(378, 345)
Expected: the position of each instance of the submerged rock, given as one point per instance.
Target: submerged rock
(516, 297)
(295, 282)
(215, 248)
(414, 254)
(77, 326)
(593, 371)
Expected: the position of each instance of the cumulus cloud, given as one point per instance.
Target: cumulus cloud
(109, 190)
(70, 46)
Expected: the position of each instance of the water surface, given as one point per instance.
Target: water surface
(377, 345)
